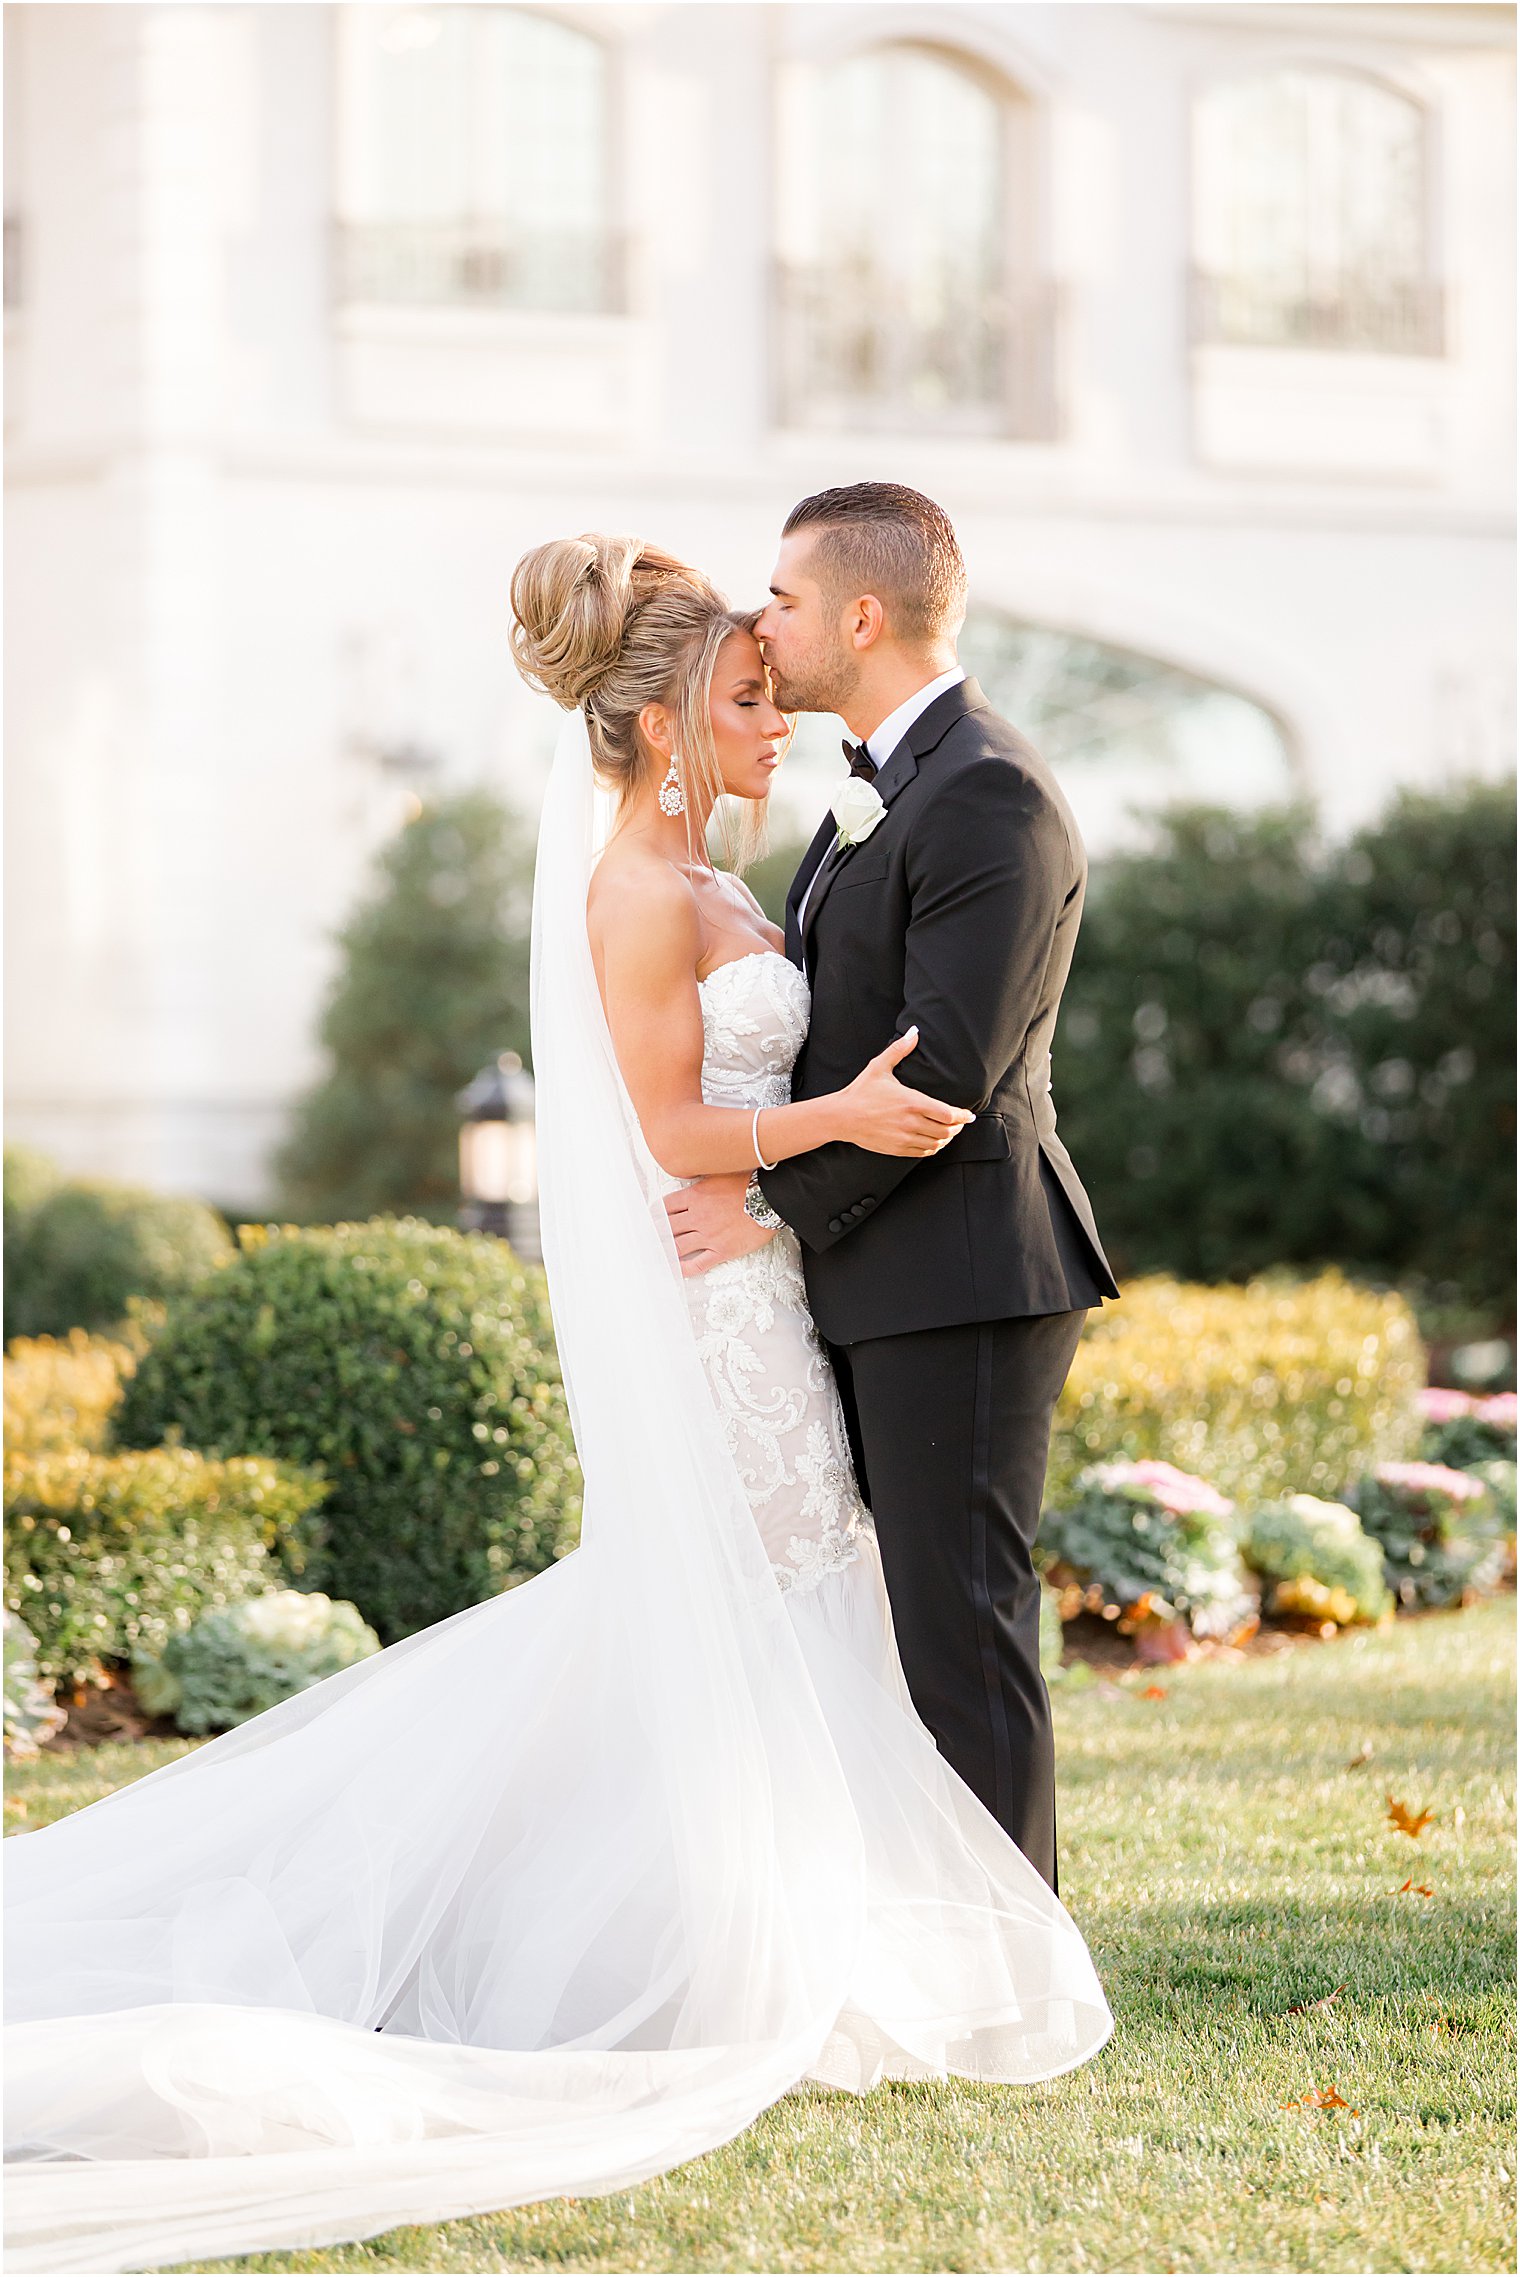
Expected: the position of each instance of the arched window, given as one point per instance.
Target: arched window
(476, 160)
(907, 291)
(1310, 218)
(1126, 733)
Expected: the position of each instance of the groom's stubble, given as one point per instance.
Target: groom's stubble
(823, 679)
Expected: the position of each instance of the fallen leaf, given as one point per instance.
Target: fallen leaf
(1323, 2099)
(1307, 2007)
(1362, 1757)
(1406, 1820)
(1418, 1889)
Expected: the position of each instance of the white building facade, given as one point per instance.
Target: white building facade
(1198, 319)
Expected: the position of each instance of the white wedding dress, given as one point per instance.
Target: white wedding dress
(765, 1361)
(568, 1888)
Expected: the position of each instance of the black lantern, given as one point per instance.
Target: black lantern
(498, 1155)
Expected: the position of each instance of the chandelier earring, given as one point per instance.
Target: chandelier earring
(672, 795)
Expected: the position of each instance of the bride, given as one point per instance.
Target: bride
(566, 1889)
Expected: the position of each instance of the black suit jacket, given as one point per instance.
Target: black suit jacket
(959, 912)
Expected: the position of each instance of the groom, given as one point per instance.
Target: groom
(951, 1290)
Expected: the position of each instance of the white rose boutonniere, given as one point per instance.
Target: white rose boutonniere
(858, 807)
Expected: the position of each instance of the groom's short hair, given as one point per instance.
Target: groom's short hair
(882, 538)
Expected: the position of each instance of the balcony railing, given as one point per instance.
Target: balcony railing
(463, 264)
(855, 350)
(1388, 317)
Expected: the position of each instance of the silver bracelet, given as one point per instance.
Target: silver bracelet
(754, 1140)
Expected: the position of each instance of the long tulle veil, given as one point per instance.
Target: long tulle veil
(545, 1899)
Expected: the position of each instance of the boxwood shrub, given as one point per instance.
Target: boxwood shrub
(78, 1252)
(106, 1556)
(1277, 1387)
(61, 1391)
(415, 1366)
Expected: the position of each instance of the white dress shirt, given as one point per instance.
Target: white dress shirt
(883, 740)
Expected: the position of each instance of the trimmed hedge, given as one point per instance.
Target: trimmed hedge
(1280, 1387)
(108, 1555)
(416, 1367)
(77, 1253)
(62, 1391)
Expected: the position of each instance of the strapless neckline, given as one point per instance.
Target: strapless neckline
(748, 958)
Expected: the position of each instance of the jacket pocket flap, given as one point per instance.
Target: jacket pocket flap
(862, 870)
(985, 1140)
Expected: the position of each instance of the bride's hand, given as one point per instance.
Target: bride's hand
(887, 1117)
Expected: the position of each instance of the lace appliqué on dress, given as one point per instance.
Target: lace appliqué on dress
(762, 1355)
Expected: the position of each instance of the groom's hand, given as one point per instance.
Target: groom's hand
(711, 1224)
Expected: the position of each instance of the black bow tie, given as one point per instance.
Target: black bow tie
(861, 762)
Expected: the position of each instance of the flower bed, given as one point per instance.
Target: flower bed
(1463, 1431)
(1153, 1540)
(238, 1660)
(1316, 1562)
(1439, 1530)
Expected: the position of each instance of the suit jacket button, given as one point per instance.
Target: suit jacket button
(836, 1225)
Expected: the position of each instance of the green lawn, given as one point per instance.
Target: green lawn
(1227, 1867)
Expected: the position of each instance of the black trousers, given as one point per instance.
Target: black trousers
(950, 1430)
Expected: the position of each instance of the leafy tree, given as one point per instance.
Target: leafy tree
(1413, 978)
(1273, 1052)
(433, 983)
(1201, 1159)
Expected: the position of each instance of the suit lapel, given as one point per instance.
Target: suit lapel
(927, 730)
(807, 869)
(899, 770)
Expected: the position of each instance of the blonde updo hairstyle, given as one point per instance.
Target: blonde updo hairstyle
(610, 624)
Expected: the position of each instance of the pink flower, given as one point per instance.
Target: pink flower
(1177, 1492)
(1499, 1410)
(1431, 1478)
(1437, 1405)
